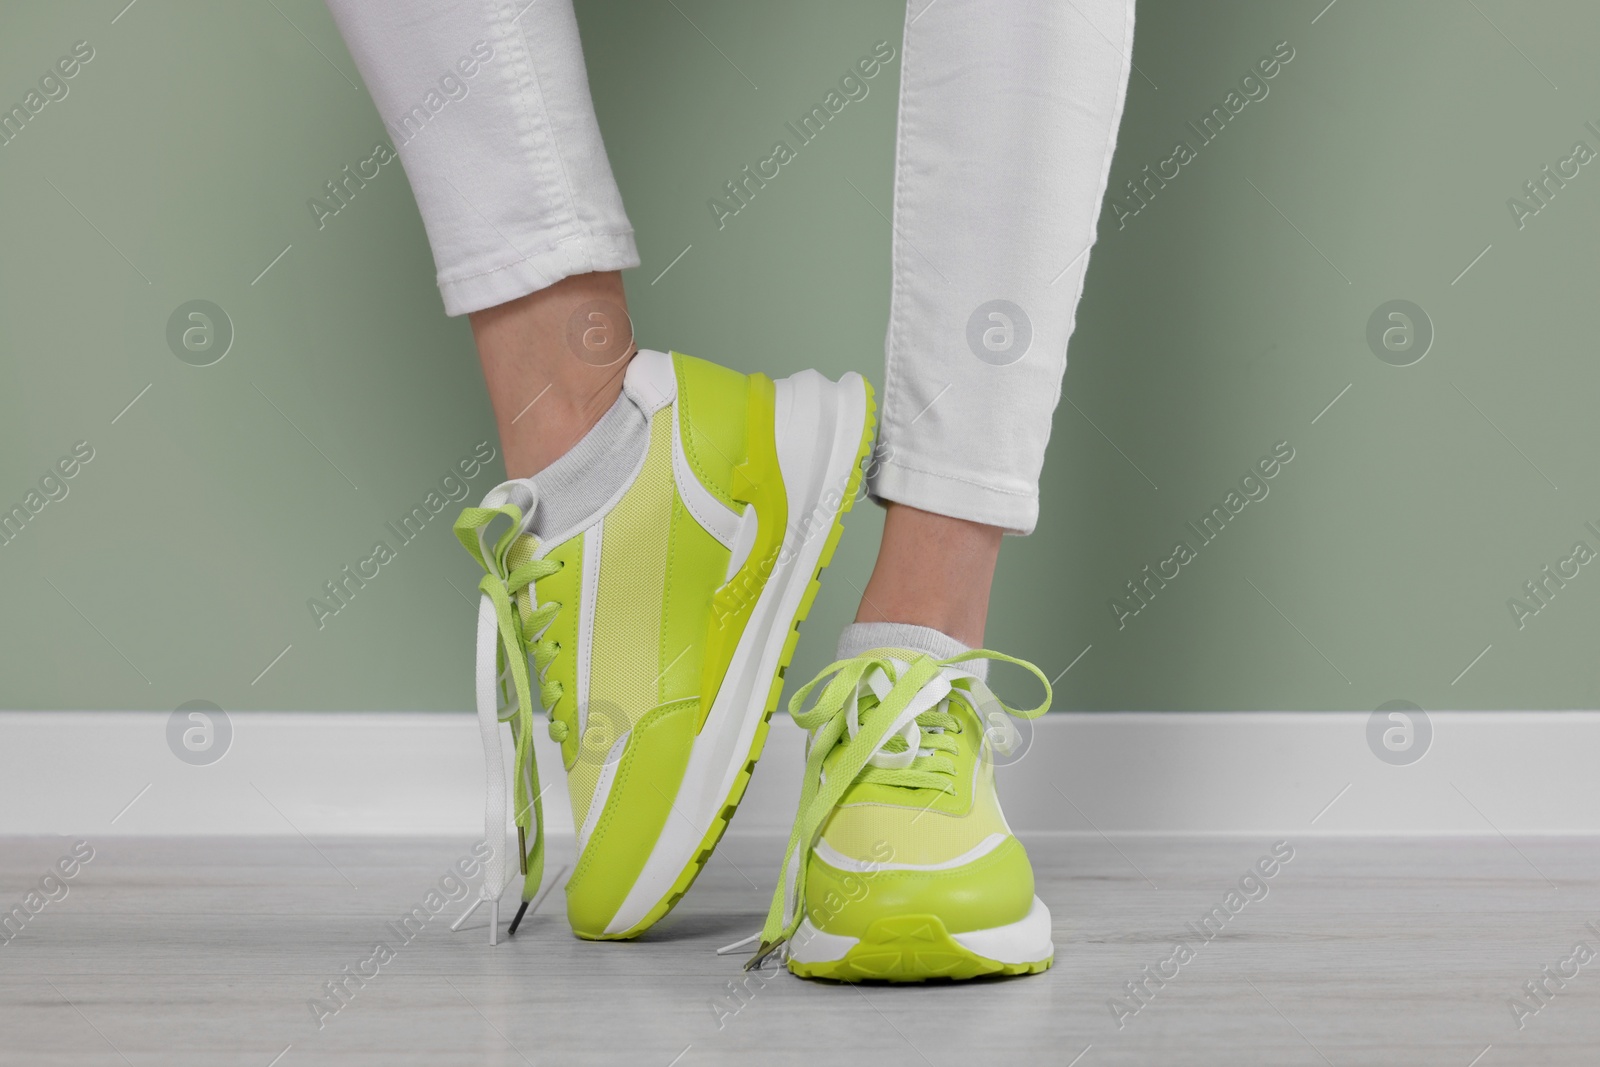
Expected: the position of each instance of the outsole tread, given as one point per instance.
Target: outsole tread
(911, 948)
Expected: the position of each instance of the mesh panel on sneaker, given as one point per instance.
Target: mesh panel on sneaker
(633, 571)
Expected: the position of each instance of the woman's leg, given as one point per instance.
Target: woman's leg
(1008, 115)
(487, 102)
(1008, 118)
(661, 555)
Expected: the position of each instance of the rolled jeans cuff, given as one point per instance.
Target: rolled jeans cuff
(1014, 510)
(582, 254)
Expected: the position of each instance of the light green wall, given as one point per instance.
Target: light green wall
(1217, 323)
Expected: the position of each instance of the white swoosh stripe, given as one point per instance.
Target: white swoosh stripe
(719, 520)
(602, 791)
(589, 593)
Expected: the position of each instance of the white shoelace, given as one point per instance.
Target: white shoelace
(517, 500)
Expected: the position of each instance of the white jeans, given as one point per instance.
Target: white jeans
(1008, 117)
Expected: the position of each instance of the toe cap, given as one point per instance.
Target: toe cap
(993, 890)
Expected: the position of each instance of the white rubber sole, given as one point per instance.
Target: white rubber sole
(1022, 943)
(819, 429)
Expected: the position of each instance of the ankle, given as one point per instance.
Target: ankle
(554, 361)
(933, 571)
(577, 484)
(552, 425)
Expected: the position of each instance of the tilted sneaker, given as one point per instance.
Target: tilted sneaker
(901, 867)
(659, 626)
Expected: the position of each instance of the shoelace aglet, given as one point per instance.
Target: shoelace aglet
(728, 950)
(466, 915)
(511, 932)
(767, 948)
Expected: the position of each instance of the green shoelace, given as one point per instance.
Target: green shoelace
(878, 720)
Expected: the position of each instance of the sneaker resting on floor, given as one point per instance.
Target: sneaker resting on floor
(901, 866)
(659, 627)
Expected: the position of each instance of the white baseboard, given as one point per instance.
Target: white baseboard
(1268, 773)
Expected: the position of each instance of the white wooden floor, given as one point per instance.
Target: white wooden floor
(206, 952)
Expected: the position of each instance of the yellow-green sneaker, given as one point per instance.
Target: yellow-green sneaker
(901, 866)
(659, 626)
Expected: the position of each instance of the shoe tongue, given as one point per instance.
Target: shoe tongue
(877, 687)
(521, 551)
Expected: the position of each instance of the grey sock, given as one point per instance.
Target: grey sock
(580, 483)
(861, 637)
